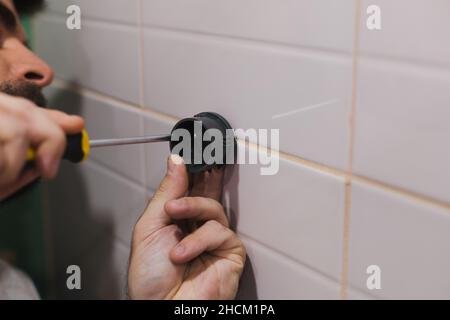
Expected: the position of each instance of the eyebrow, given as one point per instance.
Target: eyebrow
(7, 18)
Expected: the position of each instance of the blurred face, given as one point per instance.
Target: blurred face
(22, 73)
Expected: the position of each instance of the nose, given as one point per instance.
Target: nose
(27, 66)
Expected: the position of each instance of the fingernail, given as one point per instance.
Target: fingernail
(179, 249)
(175, 160)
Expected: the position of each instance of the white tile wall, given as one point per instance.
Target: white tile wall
(250, 84)
(119, 121)
(156, 154)
(250, 61)
(122, 11)
(108, 260)
(324, 24)
(407, 239)
(402, 127)
(74, 229)
(103, 269)
(93, 56)
(269, 275)
(415, 30)
(298, 211)
(96, 206)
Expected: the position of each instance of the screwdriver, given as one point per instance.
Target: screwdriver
(78, 145)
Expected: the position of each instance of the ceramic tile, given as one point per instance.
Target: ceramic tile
(322, 24)
(58, 6)
(125, 11)
(268, 275)
(297, 211)
(402, 127)
(96, 197)
(406, 239)
(100, 56)
(156, 153)
(103, 272)
(107, 269)
(106, 119)
(72, 228)
(410, 29)
(306, 96)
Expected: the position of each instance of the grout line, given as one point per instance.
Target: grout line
(141, 55)
(255, 41)
(286, 156)
(408, 63)
(439, 67)
(399, 191)
(346, 238)
(348, 179)
(62, 84)
(272, 44)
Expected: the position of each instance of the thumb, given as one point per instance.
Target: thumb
(173, 186)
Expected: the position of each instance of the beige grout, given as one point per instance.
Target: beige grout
(348, 179)
(293, 158)
(141, 55)
(261, 43)
(62, 84)
(346, 238)
(405, 193)
(279, 45)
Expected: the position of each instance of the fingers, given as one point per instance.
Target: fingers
(49, 141)
(208, 184)
(173, 186)
(28, 126)
(13, 147)
(211, 237)
(52, 141)
(70, 124)
(196, 208)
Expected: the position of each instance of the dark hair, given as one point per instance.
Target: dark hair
(29, 6)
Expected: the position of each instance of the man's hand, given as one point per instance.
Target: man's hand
(24, 125)
(182, 246)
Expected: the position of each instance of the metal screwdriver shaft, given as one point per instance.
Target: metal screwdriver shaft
(130, 140)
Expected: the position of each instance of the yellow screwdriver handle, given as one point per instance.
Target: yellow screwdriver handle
(77, 148)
